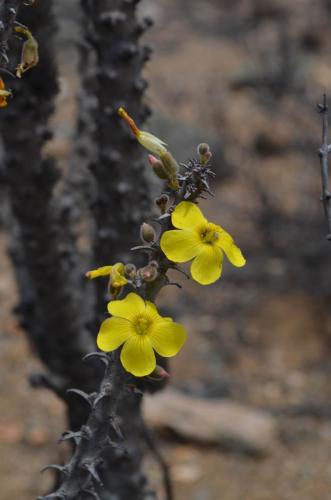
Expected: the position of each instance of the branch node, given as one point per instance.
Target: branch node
(98, 355)
(59, 468)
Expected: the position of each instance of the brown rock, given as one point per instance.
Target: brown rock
(219, 422)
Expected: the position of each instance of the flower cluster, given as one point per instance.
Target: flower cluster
(137, 324)
(198, 239)
(185, 235)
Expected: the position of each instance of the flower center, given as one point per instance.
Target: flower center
(141, 325)
(209, 234)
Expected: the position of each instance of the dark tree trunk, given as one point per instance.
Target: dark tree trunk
(44, 251)
(122, 194)
(122, 199)
(45, 257)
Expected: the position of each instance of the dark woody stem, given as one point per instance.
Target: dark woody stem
(100, 433)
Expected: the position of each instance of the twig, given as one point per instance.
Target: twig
(324, 162)
(167, 483)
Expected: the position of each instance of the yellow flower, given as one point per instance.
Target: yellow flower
(101, 271)
(147, 140)
(116, 276)
(4, 93)
(137, 324)
(201, 240)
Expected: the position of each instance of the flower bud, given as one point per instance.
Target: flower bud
(204, 153)
(203, 148)
(148, 273)
(147, 233)
(147, 140)
(169, 164)
(171, 168)
(159, 373)
(157, 167)
(130, 271)
(162, 203)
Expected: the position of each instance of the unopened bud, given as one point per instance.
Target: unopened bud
(157, 167)
(169, 163)
(203, 148)
(159, 373)
(171, 167)
(204, 153)
(147, 233)
(152, 160)
(162, 203)
(148, 273)
(130, 271)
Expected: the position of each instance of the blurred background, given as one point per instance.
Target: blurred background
(245, 76)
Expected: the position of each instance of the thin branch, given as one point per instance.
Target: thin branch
(324, 163)
(165, 469)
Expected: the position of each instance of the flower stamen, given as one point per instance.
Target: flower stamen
(141, 325)
(208, 234)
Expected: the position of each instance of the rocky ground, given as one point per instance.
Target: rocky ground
(244, 75)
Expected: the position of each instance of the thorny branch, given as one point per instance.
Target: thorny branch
(100, 432)
(324, 163)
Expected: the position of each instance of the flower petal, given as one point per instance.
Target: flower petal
(129, 307)
(207, 266)
(180, 245)
(113, 332)
(101, 271)
(233, 253)
(187, 215)
(152, 312)
(151, 142)
(167, 337)
(137, 356)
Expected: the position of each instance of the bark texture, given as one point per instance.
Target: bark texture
(44, 251)
(8, 13)
(121, 200)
